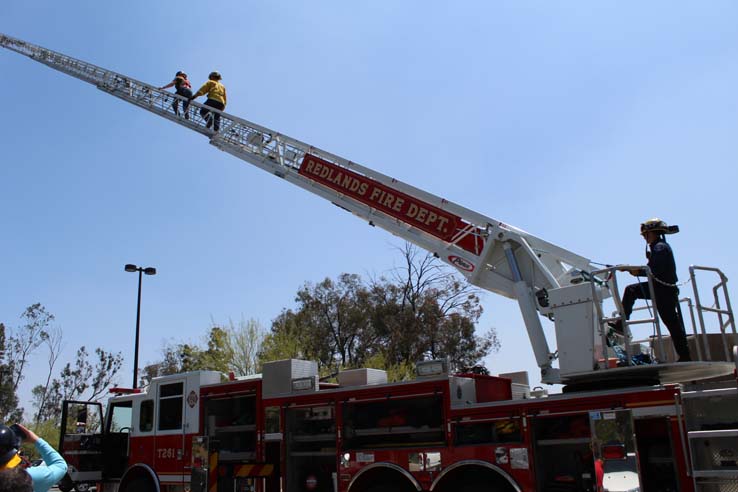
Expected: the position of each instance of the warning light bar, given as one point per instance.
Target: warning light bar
(125, 391)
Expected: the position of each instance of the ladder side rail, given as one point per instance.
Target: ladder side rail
(248, 139)
(499, 284)
(252, 139)
(155, 101)
(119, 85)
(242, 134)
(80, 69)
(243, 130)
(270, 159)
(257, 151)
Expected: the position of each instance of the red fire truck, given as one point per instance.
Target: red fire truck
(286, 431)
(629, 419)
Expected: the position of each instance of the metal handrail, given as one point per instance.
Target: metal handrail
(728, 311)
(690, 306)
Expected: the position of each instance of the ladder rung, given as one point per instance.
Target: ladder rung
(714, 310)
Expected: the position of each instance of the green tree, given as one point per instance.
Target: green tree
(81, 380)
(424, 312)
(170, 363)
(285, 340)
(245, 340)
(9, 410)
(230, 348)
(24, 340)
(331, 318)
(53, 343)
(217, 354)
(18, 345)
(428, 312)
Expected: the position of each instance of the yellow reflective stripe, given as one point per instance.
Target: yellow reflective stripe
(14, 461)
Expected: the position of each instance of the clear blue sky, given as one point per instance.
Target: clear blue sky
(572, 120)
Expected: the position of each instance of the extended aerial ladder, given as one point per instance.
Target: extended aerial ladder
(545, 279)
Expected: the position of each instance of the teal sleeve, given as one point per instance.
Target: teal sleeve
(45, 477)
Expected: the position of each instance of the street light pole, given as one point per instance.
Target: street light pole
(148, 271)
(138, 328)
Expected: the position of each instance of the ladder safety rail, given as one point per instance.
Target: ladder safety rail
(723, 323)
(481, 248)
(610, 274)
(602, 320)
(690, 307)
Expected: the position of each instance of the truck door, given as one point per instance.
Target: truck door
(169, 456)
(81, 441)
(116, 445)
(614, 449)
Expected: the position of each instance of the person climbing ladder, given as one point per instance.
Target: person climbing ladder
(182, 88)
(216, 93)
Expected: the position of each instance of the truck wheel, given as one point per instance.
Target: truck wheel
(66, 484)
(139, 485)
(387, 487)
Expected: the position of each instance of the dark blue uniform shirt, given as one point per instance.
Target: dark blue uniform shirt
(661, 262)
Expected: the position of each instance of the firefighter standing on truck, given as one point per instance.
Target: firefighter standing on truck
(663, 271)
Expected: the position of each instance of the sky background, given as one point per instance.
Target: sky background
(573, 120)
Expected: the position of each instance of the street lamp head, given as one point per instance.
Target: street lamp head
(131, 268)
(150, 271)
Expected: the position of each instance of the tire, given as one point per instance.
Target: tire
(66, 484)
(386, 487)
(139, 485)
(82, 487)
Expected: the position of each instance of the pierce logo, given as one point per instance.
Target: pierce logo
(461, 263)
(192, 399)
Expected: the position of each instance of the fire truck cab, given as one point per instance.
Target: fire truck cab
(140, 432)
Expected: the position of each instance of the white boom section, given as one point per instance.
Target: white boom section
(491, 254)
